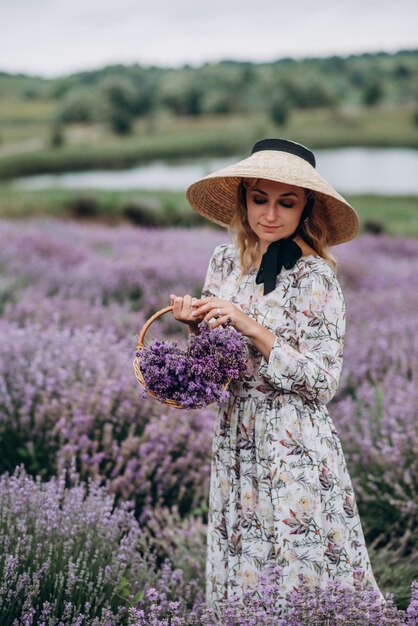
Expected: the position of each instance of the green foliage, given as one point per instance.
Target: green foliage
(78, 105)
(65, 553)
(394, 572)
(373, 92)
(181, 95)
(280, 111)
(310, 93)
(83, 207)
(57, 135)
(118, 99)
(232, 100)
(237, 86)
(396, 215)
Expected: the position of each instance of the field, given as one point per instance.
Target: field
(25, 141)
(73, 296)
(395, 215)
(103, 491)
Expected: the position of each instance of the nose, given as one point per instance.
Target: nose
(271, 213)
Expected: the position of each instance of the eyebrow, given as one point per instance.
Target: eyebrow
(288, 193)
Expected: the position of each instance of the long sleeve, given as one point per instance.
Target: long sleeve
(311, 366)
(220, 265)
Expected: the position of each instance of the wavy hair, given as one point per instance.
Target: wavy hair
(313, 230)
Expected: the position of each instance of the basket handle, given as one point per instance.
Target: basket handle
(148, 323)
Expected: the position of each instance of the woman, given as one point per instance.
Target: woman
(280, 491)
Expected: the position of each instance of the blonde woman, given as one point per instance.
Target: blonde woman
(280, 491)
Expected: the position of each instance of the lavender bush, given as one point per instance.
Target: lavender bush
(66, 554)
(69, 556)
(335, 604)
(28, 308)
(73, 297)
(377, 405)
(66, 393)
(101, 265)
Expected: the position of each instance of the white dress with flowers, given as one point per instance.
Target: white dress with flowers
(280, 491)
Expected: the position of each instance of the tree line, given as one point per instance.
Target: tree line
(120, 94)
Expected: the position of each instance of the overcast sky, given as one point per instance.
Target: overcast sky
(55, 37)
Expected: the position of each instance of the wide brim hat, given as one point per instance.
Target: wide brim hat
(216, 195)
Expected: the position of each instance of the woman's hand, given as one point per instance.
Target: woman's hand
(226, 313)
(183, 308)
(223, 312)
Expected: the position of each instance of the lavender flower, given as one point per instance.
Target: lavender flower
(72, 298)
(66, 552)
(197, 376)
(63, 396)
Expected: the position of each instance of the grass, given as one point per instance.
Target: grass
(396, 215)
(159, 208)
(394, 573)
(379, 127)
(87, 147)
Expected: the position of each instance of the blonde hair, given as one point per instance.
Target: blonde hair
(313, 230)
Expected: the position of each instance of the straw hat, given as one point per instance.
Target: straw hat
(216, 196)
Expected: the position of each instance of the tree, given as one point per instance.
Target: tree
(280, 110)
(310, 93)
(373, 92)
(118, 99)
(57, 134)
(181, 95)
(78, 105)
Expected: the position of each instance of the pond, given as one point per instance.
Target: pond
(386, 171)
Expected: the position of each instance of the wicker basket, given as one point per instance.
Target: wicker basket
(137, 360)
(141, 344)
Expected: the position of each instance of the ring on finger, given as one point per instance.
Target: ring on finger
(218, 311)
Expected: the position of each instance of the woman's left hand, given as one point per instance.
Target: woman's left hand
(224, 312)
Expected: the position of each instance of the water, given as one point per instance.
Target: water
(385, 171)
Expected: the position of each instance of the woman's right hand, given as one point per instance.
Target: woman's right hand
(183, 308)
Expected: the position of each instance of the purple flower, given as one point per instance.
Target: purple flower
(198, 375)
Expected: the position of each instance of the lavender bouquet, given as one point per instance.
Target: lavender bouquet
(198, 375)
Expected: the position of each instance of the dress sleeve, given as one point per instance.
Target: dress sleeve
(220, 265)
(311, 367)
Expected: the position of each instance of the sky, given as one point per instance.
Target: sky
(58, 37)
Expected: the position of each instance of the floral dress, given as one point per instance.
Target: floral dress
(280, 491)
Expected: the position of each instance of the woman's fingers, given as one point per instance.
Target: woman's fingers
(186, 305)
(214, 308)
(211, 310)
(201, 307)
(177, 304)
(200, 301)
(224, 320)
(183, 307)
(210, 305)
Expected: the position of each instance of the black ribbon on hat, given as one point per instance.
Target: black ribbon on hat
(281, 253)
(285, 145)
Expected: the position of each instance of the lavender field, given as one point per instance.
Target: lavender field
(103, 494)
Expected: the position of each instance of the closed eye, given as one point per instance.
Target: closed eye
(283, 203)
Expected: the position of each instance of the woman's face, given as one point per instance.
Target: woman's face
(274, 210)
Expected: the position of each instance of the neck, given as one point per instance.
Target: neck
(263, 245)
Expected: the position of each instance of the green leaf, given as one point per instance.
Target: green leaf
(138, 596)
